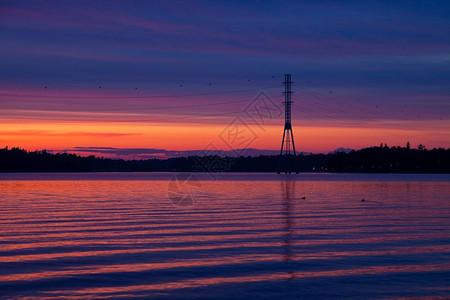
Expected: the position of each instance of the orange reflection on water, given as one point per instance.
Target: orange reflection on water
(201, 282)
(126, 229)
(139, 267)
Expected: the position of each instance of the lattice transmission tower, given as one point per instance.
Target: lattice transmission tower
(287, 161)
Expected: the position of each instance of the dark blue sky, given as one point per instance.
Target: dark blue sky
(334, 43)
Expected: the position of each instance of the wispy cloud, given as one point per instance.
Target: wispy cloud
(50, 133)
(148, 153)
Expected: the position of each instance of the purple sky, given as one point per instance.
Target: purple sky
(383, 60)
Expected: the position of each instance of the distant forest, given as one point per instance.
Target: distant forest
(382, 159)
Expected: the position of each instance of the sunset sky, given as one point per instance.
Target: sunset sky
(143, 78)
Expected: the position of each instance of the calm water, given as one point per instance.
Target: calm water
(120, 235)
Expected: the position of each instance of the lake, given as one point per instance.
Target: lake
(237, 235)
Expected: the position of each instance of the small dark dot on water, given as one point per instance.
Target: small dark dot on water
(303, 198)
(362, 200)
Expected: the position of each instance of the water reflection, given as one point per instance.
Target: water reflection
(124, 239)
(288, 192)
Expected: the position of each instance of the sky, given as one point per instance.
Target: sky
(137, 79)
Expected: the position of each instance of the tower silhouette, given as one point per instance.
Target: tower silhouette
(287, 161)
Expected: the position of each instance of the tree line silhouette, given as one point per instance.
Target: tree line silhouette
(382, 159)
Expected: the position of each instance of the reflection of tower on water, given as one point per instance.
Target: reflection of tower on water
(288, 190)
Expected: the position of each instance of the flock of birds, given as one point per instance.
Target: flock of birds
(248, 80)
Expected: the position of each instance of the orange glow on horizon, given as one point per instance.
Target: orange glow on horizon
(190, 136)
